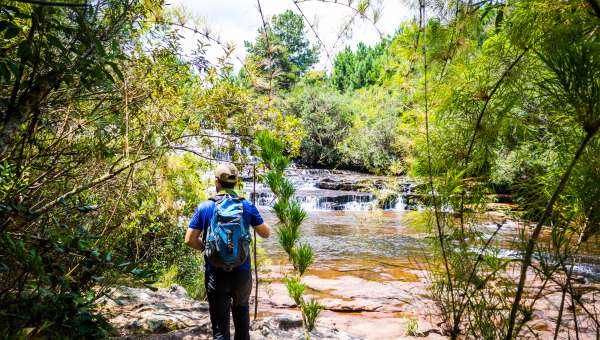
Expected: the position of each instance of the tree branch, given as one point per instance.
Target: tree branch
(267, 33)
(536, 232)
(487, 101)
(93, 183)
(51, 3)
(314, 31)
(201, 155)
(347, 5)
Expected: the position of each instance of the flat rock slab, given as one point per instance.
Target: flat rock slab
(168, 313)
(351, 294)
(142, 311)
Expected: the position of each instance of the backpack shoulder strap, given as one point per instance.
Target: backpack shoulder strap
(214, 199)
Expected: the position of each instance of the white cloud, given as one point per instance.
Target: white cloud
(235, 21)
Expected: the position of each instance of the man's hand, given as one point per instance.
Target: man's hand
(193, 239)
(263, 230)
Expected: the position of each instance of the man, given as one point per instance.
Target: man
(226, 290)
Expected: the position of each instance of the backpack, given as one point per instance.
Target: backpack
(227, 238)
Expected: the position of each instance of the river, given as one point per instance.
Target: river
(370, 269)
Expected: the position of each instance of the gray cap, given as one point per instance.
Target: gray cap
(227, 173)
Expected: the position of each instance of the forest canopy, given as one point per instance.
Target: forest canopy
(106, 125)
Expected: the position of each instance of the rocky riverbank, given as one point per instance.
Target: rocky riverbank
(355, 308)
(168, 313)
(370, 273)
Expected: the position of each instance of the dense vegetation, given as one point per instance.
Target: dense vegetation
(104, 117)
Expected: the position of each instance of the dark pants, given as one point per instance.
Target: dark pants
(229, 291)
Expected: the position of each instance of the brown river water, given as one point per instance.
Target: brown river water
(371, 266)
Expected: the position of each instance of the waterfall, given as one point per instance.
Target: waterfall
(313, 198)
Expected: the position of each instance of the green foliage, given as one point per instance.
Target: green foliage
(310, 312)
(282, 51)
(302, 257)
(412, 328)
(91, 194)
(187, 273)
(288, 28)
(355, 70)
(295, 290)
(181, 188)
(506, 114)
(58, 299)
(295, 214)
(287, 236)
(270, 152)
(95, 102)
(326, 117)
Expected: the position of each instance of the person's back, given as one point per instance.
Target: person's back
(228, 289)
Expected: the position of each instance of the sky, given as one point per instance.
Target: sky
(235, 21)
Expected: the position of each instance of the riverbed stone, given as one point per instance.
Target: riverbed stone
(169, 313)
(349, 184)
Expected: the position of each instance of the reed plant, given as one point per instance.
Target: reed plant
(541, 82)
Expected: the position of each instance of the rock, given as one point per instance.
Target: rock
(135, 325)
(387, 199)
(357, 305)
(159, 325)
(178, 291)
(538, 315)
(580, 279)
(290, 327)
(340, 184)
(540, 325)
(287, 323)
(141, 310)
(346, 183)
(171, 314)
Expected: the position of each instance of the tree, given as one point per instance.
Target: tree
(354, 70)
(326, 118)
(92, 104)
(282, 50)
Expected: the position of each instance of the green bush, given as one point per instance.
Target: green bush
(188, 272)
(326, 117)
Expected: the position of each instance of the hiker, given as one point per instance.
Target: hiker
(223, 235)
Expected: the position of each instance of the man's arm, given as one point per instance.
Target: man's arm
(193, 239)
(263, 230)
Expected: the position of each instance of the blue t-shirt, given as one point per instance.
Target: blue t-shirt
(204, 213)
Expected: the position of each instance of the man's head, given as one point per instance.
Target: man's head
(226, 175)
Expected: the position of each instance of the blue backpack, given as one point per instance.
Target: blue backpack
(227, 238)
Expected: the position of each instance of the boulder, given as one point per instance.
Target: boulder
(340, 184)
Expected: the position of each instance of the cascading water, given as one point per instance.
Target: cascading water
(346, 224)
(313, 198)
